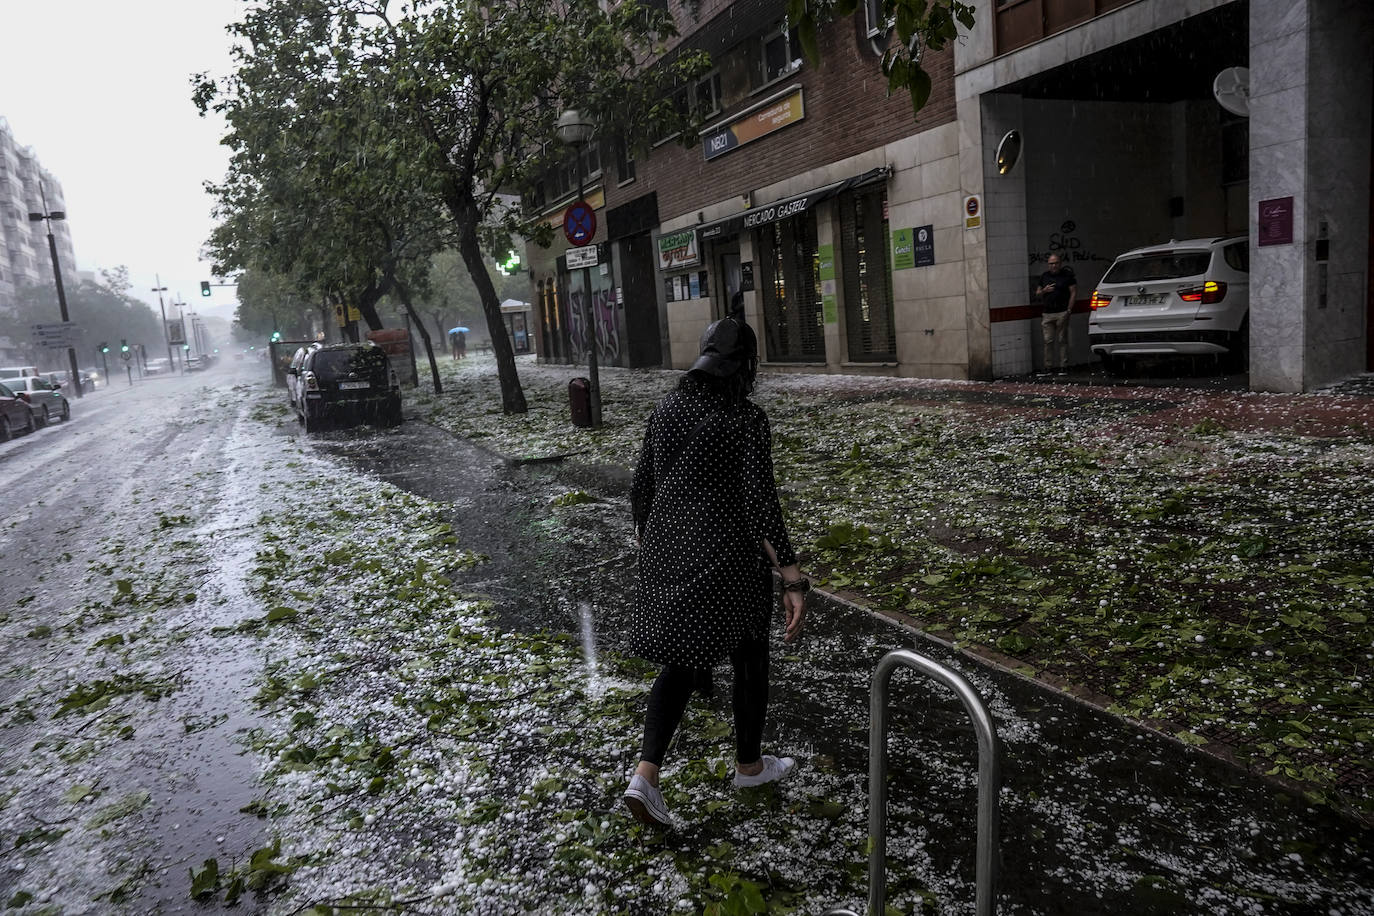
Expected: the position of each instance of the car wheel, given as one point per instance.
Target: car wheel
(43, 417)
(4, 429)
(66, 411)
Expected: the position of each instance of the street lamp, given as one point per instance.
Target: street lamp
(576, 130)
(160, 289)
(48, 216)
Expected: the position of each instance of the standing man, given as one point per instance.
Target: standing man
(1058, 290)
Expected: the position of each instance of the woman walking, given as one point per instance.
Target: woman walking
(711, 532)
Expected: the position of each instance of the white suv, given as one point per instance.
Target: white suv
(1186, 298)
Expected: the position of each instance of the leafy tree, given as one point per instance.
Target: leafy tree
(915, 25)
(104, 309)
(448, 102)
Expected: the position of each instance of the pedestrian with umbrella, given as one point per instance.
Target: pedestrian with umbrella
(458, 339)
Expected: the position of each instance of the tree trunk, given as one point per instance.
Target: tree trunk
(368, 299)
(404, 293)
(464, 213)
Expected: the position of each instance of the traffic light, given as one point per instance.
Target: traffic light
(205, 287)
(276, 336)
(123, 345)
(104, 347)
(185, 346)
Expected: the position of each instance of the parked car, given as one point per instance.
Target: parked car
(344, 382)
(194, 364)
(1185, 298)
(45, 398)
(15, 415)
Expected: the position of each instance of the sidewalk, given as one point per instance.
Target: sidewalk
(1195, 561)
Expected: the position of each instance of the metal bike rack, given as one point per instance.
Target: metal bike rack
(989, 781)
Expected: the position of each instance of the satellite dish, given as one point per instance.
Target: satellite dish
(1232, 90)
(1008, 151)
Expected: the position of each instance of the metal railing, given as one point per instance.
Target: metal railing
(989, 781)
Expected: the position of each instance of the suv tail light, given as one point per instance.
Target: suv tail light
(1207, 293)
(308, 379)
(1099, 301)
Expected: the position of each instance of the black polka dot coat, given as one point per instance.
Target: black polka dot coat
(704, 499)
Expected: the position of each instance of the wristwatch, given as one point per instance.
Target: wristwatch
(802, 585)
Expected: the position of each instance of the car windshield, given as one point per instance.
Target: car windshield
(1165, 265)
(365, 362)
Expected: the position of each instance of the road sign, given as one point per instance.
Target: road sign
(582, 257)
(56, 336)
(579, 223)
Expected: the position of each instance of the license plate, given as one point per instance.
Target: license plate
(1147, 299)
(349, 386)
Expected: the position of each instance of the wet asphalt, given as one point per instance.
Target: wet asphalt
(1097, 815)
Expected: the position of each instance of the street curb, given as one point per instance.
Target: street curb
(993, 660)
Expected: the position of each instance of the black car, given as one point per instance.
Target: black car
(15, 415)
(343, 383)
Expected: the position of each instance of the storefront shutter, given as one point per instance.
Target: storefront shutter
(869, 328)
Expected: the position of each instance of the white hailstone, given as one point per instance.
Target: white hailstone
(1268, 653)
(1111, 566)
(589, 890)
(1199, 638)
(1207, 680)
(1159, 645)
(18, 866)
(219, 839)
(605, 825)
(369, 819)
(1234, 558)
(559, 837)
(1295, 856)
(443, 890)
(1102, 602)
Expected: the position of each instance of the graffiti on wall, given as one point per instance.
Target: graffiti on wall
(1067, 245)
(606, 328)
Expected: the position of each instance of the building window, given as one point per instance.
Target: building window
(869, 329)
(789, 267)
(779, 54)
(624, 163)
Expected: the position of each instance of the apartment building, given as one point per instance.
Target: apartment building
(24, 256)
(869, 240)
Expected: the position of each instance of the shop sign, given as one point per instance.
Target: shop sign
(923, 250)
(678, 249)
(771, 117)
(825, 254)
(1276, 221)
(774, 212)
(903, 249)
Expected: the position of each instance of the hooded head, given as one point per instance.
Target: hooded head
(728, 346)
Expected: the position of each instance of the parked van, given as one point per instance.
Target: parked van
(17, 371)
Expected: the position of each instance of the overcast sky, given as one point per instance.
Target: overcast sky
(100, 90)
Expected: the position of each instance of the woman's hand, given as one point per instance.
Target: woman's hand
(794, 606)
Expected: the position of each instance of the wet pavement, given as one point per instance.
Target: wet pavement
(1097, 816)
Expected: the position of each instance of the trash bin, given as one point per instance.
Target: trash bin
(580, 399)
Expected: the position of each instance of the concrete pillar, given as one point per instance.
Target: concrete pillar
(1310, 112)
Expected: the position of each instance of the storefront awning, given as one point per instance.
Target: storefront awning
(764, 214)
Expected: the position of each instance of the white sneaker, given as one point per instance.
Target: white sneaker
(774, 768)
(646, 803)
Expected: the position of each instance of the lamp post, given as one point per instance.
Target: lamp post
(160, 289)
(576, 130)
(47, 217)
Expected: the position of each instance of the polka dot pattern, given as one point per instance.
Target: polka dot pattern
(704, 500)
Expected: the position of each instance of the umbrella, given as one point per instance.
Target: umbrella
(458, 330)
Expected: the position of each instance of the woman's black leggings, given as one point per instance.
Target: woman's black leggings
(671, 691)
